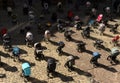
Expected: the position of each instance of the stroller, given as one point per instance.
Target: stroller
(81, 46)
(39, 54)
(26, 70)
(16, 53)
(7, 42)
(60, 47)
(78, 25)
(86, 32)
(67, 35)
(94, 59)
(112, 57)
(70, 62)
(114, 29)
(98, 44)
(60, 28)
(29, 39)
(51, 66)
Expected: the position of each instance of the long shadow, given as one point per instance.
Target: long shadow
(93, 38)
(64, 78)
(81, 72)
(8, 67)
(65, 53)
(107, 68)
(105, 34)
(47, 57)
(89, 52)
(74, 40)
(53, 42)
(6, 55)
(35, 80)
(24, 61)
(105, 49)
(23, 51)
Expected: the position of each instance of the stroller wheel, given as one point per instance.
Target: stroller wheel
(108, 58)
(67, 39)
(79, 50)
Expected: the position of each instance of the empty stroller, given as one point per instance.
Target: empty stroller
(94, 59)
(81, 46)
(114, 29)
(98, 44)
(29, 39)
(51, 66)
(7, 42)
(70, 62)
(78, 25)
(16, 53)
(112, 57)
(60, 47)
(67, 35)
(39, 54)
(26, 70)
(86, 32)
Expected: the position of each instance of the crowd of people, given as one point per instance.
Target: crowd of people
(94, 21)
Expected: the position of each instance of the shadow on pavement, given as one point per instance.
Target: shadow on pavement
(35, 80)
(64, 78)
(53, 42)
(93, 38)
(9, 68)
(105, 34)
(6, 55)
(65, 53)
(107, 68)
(81, 72)
(23, 61)
(23, 51)
(89, 52)
(47, 57)
(74, 40)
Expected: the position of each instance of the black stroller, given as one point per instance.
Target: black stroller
(98, 44)
(67, 35)
(38, 51)
(59, 49)
(81, 46)
(7, 42)
(51, 66)
(86, 32)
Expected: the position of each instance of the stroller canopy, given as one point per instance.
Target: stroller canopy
(16, 50)
(26, 69)
(96, 54)
(114, 50)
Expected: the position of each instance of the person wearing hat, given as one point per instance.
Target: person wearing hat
(94, 59)
(70, 62)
